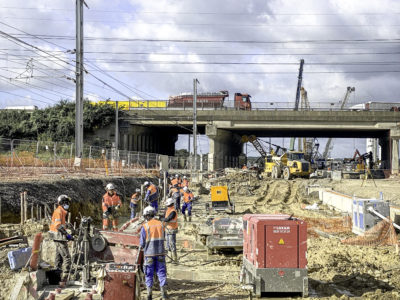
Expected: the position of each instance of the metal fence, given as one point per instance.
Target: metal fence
(26, 157)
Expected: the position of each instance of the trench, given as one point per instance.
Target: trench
(86, 195)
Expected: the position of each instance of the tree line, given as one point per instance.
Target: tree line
(56, 123)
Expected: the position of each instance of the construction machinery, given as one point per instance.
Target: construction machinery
(220, 201)
(274, 254)
(288, 165)
(281, 162)
(222, 234)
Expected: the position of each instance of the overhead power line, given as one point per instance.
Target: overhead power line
(120, 39)
(208, 13)
(237, 24)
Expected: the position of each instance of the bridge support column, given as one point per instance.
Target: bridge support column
(395, 156)
(225, 148)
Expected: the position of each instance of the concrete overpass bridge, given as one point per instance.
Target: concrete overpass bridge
(157, 130)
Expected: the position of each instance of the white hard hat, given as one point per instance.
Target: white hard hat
(184, 177)
(185, 189)
(63, 198)
(137, 190)
(146, 183)
(177, 175)
(149, 211)
(169, 202)
(110, 186)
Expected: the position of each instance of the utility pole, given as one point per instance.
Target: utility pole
(195, 82)
(116, 128)
(79, 82)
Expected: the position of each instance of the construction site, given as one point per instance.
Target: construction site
(277, 176)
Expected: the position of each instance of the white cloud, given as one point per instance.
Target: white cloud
(251, 20)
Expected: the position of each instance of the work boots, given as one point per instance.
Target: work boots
(149, 293)
(184, 218)
(164, 294)
(190, 218)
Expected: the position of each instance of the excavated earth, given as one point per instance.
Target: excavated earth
(336, 270)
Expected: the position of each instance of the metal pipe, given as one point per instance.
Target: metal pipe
(22, 208)
(370, 209)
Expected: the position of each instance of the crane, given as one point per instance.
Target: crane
(296, 104)
(329, 143)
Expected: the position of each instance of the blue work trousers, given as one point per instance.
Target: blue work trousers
(155, 264)
(155, 205)
(178, 204)
(133, 210)
(171, 241)
(188, 206)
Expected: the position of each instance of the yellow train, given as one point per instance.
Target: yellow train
(135, 104)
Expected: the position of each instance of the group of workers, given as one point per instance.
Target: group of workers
(153, 234)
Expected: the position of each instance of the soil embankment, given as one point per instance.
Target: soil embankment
(85, 194)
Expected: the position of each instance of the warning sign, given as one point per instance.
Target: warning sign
(281, 242)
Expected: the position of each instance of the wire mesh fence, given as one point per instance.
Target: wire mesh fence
(27, 157)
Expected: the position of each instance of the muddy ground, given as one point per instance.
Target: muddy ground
(335, 270)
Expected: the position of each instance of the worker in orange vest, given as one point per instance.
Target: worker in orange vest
(187, 203)
(152, 236)
(135, 199)
(151, 196)
(175, 181)
(185, 182)
(111, 204)
(171, 221)
(60, 236)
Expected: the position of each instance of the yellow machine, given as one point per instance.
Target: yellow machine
(220, 200)
(290, 164)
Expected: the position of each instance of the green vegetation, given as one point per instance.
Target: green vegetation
(56, 123)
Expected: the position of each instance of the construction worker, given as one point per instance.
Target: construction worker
(111, 204)
(151, 196)
(244, 167)
(175, 193)
(171, 221)
(187, 203)
(185, 182)
(135, 199)
(152, 235)
(60, 236)
(175, 181)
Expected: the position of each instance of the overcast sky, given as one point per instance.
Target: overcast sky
(154, 49)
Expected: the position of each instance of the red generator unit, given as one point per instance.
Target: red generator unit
(121, 282)
(274, 254)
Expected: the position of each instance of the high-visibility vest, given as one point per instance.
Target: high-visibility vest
(58, 219)
(109, 201)
(175, 181)
(153, 189)
(154, 238)
(135, 198)
(187, 197)
(172, 224)
(185, 182)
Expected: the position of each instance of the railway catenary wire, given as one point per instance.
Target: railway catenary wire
(116, 90)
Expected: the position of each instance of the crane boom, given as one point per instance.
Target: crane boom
(296, 104)
(329, 143)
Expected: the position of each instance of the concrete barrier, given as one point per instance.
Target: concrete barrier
(337, 201)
